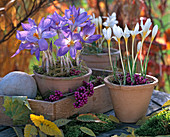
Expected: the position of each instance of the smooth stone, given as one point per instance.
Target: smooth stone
(18, 83)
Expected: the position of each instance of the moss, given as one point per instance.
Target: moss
(156, 125)
(72, 129)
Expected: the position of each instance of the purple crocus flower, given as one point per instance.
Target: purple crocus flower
(87, 34)
(27, 26)
(37, 35)
(57, 21)
(74, 18)
(33, 37)
(71, 43)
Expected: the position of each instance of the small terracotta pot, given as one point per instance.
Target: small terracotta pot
(101, 60)
(130, 103)
(63, 84)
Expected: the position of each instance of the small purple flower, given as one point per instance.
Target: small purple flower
(87, 34)
(71, 44)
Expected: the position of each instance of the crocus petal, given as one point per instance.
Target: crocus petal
(44, 24)
(61, 42)
(21, 35)
(147, 24)
(136, 27)
(88, 30)
(67, 14)
(63, 50)
(43, 44)
(115, 38)
(78, 45)
(31, 22)
(37, 54)
(76, 36)
(93, 38)
(26, 26)
(154, 31)
(31, 38)
(73, 52)
(148, 33)
(81, 18)
(48, 34)
(17, 52)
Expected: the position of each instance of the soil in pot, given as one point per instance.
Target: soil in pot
(130, 102)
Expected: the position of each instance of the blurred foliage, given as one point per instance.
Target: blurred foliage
(13, 12)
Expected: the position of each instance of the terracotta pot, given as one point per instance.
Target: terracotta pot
(101, 60)
(63, 84)
(130, 103)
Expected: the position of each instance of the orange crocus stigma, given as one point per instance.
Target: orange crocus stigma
(71, 43)
(36, 35)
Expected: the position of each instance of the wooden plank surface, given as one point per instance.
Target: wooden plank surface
(157, 100)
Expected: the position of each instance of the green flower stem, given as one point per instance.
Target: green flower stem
(121, 57)
(148, 55)
(141, 57)
(108, 41)
(126, 41)
(134, 62)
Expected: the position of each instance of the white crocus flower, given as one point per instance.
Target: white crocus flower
(118, 32)
(126, 32)
(134, 33)
(126, 35)
(111, 20)
(100, 23)
(154, 31)
(145, 28)
(92, 18)
(107, 33)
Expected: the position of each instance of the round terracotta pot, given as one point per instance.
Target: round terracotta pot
(63, 84)
(130, 103)
(101, 60)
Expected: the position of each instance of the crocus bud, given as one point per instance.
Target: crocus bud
(154, 31)
(139, 46)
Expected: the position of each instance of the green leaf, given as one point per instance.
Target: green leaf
(131, 130)
(61, 122)
(30, 130)
(166, 104)
(18, 131)
(17, 110)
(41, 134)
(89, 118)
(114, 119)
(87, 131)
(142, 121)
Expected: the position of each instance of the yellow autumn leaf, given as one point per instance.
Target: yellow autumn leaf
(114, 119)
(46, 126)
(30, 130)
(37, 120)
(166, 104)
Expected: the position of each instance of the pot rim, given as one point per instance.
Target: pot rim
(64, 78)
(154, 83)
(103, 54)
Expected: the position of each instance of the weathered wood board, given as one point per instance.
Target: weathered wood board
(100, 102)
